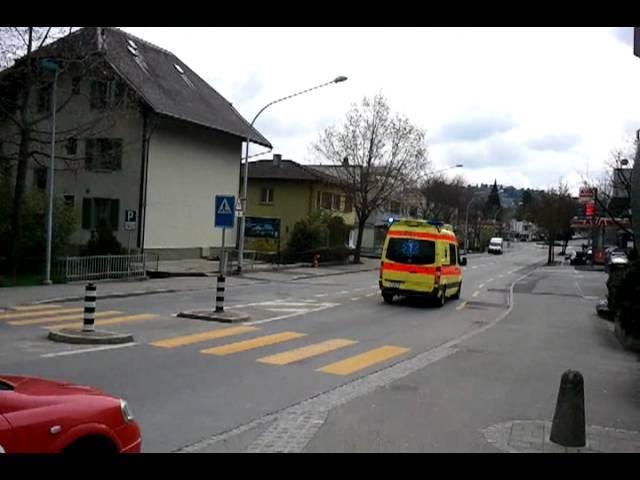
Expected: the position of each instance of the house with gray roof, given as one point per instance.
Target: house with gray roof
(136, 129)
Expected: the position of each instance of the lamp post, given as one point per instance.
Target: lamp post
(245, 179)
(51, 65)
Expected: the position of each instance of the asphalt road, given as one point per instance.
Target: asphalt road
(188, 380)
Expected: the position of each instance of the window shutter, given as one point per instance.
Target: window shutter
(115, 214)
(89, 152)
(86, 213)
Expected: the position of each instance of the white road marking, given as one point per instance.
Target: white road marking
(359, 289)
(343, 292)
(355, 299)
(461, 306)
(370, 294)
(481, 285)
(476, 293)
(289, 315)
(490, 280)
(474, 267)
(287, 309)
(88, 350)
(500, 276)
(321, 294)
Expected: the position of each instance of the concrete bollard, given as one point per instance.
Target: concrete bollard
(220, 294)
(568, 428)
(90, 295)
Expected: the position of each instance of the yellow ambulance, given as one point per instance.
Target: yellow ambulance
(421, 258)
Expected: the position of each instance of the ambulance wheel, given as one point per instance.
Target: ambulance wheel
(456, 296)
(442, 297)
(387, 297)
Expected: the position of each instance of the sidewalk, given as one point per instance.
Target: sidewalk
(497, 390)
(11, 296)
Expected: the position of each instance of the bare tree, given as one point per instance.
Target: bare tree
(552, 211)
(375, 153)
(444, 198)
(22, 49)
(614, 186)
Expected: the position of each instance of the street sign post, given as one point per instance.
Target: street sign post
(636, 41)
(130, 224)
(225, 208)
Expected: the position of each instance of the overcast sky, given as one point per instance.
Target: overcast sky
(526, 106)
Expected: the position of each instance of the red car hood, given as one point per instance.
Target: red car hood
(39, 386)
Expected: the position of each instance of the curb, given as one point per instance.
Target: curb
(320, 275)
(78, 298)
(98, 337)
(212, 316)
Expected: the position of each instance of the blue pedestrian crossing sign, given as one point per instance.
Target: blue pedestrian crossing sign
(225, 211)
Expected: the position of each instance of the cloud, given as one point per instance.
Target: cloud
(623, 34)
(488, 97)
(474, 129)
(555, 142)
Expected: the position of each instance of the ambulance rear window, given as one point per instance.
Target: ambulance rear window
(412, 251)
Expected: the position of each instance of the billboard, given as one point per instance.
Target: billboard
(262, 227)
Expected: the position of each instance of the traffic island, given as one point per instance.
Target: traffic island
(96, 337)
(213, 316)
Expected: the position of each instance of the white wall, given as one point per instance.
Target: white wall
(188, 166)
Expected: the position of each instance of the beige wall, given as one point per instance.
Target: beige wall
(188, 166)
(71, 177)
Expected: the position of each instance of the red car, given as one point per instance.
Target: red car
(45, 416)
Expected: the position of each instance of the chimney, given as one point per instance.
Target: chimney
(277, 158)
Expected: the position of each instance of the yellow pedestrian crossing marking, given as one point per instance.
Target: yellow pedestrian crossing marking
(110, 321)
(28, 308)
(253, 343)
(302, 353)
(201, 337)
(63, 318)
(44, 313)
(364, 360)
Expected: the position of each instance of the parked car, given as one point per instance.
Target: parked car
(46, 416)
(615, 257)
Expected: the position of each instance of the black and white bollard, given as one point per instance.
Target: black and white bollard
(568, 428)
(89, 308)
(220, 294)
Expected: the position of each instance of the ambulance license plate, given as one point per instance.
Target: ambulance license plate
(394, 284)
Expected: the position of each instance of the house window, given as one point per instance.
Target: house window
(98, 96)
(325, 200)
(119, 90)
(95, 210)
(44, 99)
(71, 146)
(40, 178)
(75, 85)
(348, 204)
(69, 201)
(103, 154)
(266, 195)
(335, 202)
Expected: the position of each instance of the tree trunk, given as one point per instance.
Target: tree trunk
(356, 253)
(635, 194)
(23, 160)
(550, 253)
(18, 200)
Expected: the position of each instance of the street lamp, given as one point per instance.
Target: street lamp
(51, 65)
(245, 180)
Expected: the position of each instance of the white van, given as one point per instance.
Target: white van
(496, 245)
